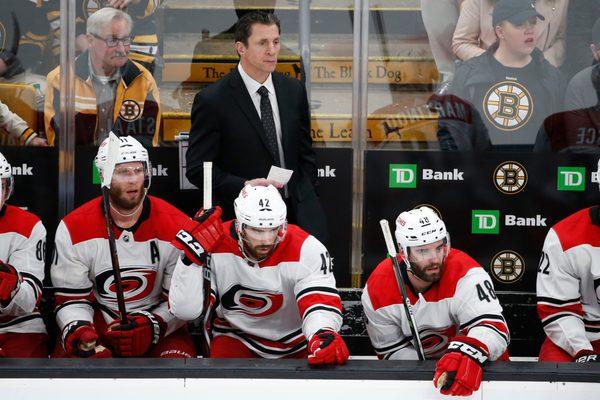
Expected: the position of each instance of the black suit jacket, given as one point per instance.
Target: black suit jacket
(227, 130)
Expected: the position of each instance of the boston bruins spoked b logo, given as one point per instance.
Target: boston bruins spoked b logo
(510, 177)
(507, 266)
(130, 110)
(508, 105)
(91, 6)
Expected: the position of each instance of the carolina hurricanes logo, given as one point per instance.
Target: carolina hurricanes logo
(137, 282)
(435, 341)
(253, 302)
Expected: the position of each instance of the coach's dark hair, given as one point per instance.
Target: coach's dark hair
(243, 28)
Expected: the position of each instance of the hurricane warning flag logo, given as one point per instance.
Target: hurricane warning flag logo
(510, 177)
(508, 105)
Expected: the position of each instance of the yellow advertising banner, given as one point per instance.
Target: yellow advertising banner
(386, 71)
(338, 128)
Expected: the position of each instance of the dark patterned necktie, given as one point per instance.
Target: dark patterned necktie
(266, 113)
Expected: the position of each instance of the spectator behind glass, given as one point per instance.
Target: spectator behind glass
(575, 131)
(511, 84)
(112, 92)
(144, 43)
(18, 129)
(580, 18)
(439, 18)
(475, 32)
(23, 33)
(580, 92)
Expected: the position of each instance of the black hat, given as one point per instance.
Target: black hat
(514, 11)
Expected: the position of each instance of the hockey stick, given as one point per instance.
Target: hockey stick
(109, 167)
(205, 316)
(391, 248)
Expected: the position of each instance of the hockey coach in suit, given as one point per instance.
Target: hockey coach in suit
(254, 118)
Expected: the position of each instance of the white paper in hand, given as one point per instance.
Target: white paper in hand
(112, 156)
(280, 175)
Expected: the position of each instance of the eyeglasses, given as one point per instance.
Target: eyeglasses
(114, 42)
(124, 172)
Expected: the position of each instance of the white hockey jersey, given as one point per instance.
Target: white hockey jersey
(271, 307)
(568, 281)
(462, 302)
(23, 245)
(82, 271)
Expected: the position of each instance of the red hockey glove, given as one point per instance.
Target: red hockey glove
(327, 347)
(586, 356)
(459, 371)
(79, 339)
(2, 354)
(10, 281)
(200, 235)
(135, 338)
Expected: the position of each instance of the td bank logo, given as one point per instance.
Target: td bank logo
(570, 179)
(485, 222)
(404, 176)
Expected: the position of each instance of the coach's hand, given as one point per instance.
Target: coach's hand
(200, 235)
(459, 371)
(327, 347)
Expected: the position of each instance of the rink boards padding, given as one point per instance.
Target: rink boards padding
(276, 379)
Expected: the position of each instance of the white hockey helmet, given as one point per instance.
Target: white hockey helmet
(419, 227)
(6, 173)
(259, 207)
(130, 150)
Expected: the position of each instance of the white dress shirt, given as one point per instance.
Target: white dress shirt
(252, 86)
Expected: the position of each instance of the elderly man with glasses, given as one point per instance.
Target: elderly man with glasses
(111, 91)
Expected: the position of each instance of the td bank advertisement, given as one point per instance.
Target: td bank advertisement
(498, 207)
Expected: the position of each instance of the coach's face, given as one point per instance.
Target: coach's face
(259, 57)
(109, 49)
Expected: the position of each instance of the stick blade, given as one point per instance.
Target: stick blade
(112, 156)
